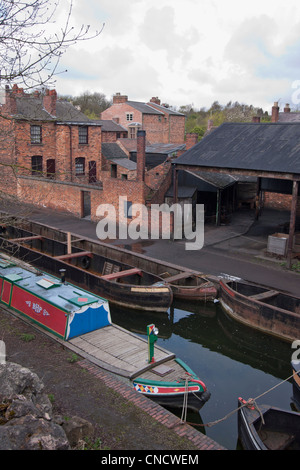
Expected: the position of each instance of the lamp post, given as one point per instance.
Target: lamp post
(152, 333)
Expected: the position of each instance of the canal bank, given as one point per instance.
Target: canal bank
(122, 418)
(228, 259)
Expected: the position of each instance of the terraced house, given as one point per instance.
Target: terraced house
(52, 155)
(160, 122)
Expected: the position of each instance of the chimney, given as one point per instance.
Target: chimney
(50, 102)
(155, 100)
(287, 108)
(210, 124)
(10, 106)
(119, 99)
(141, 155)
(256, 119)
(191, 140)
(275, 112)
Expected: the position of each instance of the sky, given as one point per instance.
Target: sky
(187, 52)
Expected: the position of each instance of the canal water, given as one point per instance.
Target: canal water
(231, 359)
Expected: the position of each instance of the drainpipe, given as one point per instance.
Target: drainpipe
(71, 155)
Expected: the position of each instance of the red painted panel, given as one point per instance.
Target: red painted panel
(6, 292)
(39, 310)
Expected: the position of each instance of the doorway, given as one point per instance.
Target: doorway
(86, 204)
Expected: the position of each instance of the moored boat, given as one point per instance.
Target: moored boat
(191, 286)
(271, 311)
(116, 281)
(178, 385)
(62, 309)
(267, 428)
(82, 321)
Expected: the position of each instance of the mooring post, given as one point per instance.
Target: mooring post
(152, 333)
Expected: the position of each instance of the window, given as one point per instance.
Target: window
(37, 165)
(79, 165)
(36, 134)
(50, 168)
(128, 209)
(83, 134)
(113, 172)
(133, 131)
(129, 116)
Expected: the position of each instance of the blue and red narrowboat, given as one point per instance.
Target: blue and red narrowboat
(83, 320)
(62, 309)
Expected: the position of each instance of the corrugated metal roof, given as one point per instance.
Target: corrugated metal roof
(270, 147)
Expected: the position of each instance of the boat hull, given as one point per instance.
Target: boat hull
(184, 390)
(149, 297)
(279, 430)
(256, 307)
(206, 292)
(174, 395)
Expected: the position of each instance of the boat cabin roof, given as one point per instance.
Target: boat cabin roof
(66, 296)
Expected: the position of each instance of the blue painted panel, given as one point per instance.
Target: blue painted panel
(88, 318)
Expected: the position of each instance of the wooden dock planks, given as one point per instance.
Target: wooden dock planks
(118, 348)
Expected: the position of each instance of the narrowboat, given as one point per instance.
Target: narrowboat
(296, 383)
(82, 321)
(271, 311)
(116, 281)
(178, 385)
(267, 428)
(191, 286)
(62, 309)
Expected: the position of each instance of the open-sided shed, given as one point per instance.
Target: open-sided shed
(268, 151)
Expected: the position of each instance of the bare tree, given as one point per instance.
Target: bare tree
(30, 51)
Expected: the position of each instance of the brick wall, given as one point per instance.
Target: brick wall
(280, 202)
(57, 195)
(163, 128)
(118, 112)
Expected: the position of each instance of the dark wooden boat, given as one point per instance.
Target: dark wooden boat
(82, 321)
(296, 383)
(114, 280)
(191, 286)
(267, 428)
(271, 311)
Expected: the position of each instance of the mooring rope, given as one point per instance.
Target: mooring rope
(185, 402)
(249, 402)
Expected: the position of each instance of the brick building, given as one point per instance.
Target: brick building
(161, 123)
(52, 155)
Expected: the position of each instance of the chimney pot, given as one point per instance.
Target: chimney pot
(287, 108)
(118, 98)
(155, 100)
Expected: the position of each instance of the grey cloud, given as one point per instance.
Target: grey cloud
(158, 32)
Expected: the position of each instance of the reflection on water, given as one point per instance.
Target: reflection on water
(232, 360)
